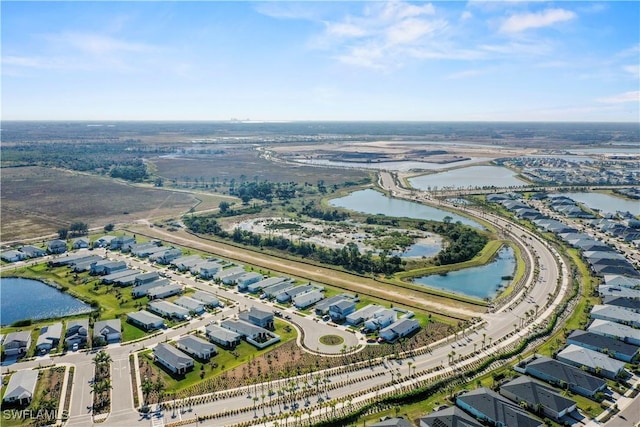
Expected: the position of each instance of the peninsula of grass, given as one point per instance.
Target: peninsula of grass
(331, 340)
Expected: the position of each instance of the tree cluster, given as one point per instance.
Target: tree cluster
(135, 171)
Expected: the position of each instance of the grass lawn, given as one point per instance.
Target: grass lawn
(224, 361)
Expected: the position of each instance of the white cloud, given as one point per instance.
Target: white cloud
(634, 70)
(345, 29)
(466, 15)
(524, 21)
(631, 96)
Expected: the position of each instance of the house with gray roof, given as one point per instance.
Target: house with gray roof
(87, 263)
(49, 337)
(163, 291)
(307, 299)
(247, 279)
(285, 296)
(381, 319)
(594, 361)
(264, 283)
(143, 290)
(616, 314)
(487, 405)
(115, 278)
(145, 320)
(618, 291)
(191, 304)
(184, 263)
(207, 269)
(222, 336)
(273, 290)
(197, 347)
(172, 358)
(105, 267)
(258, 317)
(148, 277)
(77, 333)
(169, 309)
(607, 345)
(449, 417)
(615, 330)
(255, 335)
(33, 251)
(363, 314)
(81, 243)
(630, 304)
(618, 280)
(563, 375)
(13, 256)
(340, 310)
(166, 256)
(103, 241)
(538, 397)
(21, 387)
(17, 343)
(206, 298)
(322, 307)
(399, 329)
(122, 243)
(109, 331)
(56, 246)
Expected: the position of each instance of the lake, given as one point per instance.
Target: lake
(479, 282)
(373, 202)
(605, 202)
(31, 299)
(473, 176)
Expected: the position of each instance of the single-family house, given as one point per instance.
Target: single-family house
(166, 256)
(148, 277)
(103, 241)
(33, 251)
(77, 333)
(564, 376)
(615, 314)
(223, 336)
(265, 283)
(172, 359)
(538, 397)
(489, 406)
(197, 347)
(145, 250)
(322, 308)
(363, 314)
(81, 243)
(124, 277)
(341, 309)
(49, 337)
(143, 290)
(618, 291)
(285, 296)
(185, 263)
(17, 343)
(122, 243)
(169, 309)
(607, 345)
(615, 330)
(145, 320)
(255, 335)
(630, 304)
(399, 329)
(191, 304)
(13, 256)
(69, 259)
(107, 331)
(307, 299)
(86, 263)
(206, 298)
(56, 246)
(248, 279)
(106, 267)
(226, 273)
(207, 269)
(163, 291)
(449, 417)
(21, 387)
(258, 317)
(591, 360)
(273, 290)
(381, 319)
(617, 280)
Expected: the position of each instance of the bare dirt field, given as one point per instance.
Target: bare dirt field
(243, 163)
(37, 201)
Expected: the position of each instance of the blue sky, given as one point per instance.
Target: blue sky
(476, 60)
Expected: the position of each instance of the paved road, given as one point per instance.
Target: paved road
(497, 325)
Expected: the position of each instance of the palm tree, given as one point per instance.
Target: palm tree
(147, 389)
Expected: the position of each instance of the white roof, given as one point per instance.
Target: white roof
(590, 358)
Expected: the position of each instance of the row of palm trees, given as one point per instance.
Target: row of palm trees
(101, 386)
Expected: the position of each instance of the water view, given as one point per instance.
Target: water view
(402, 166)
(374, 203)
(18, 302)
(473, 176)
(479, 282)
(419, 250)
(605, 202)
